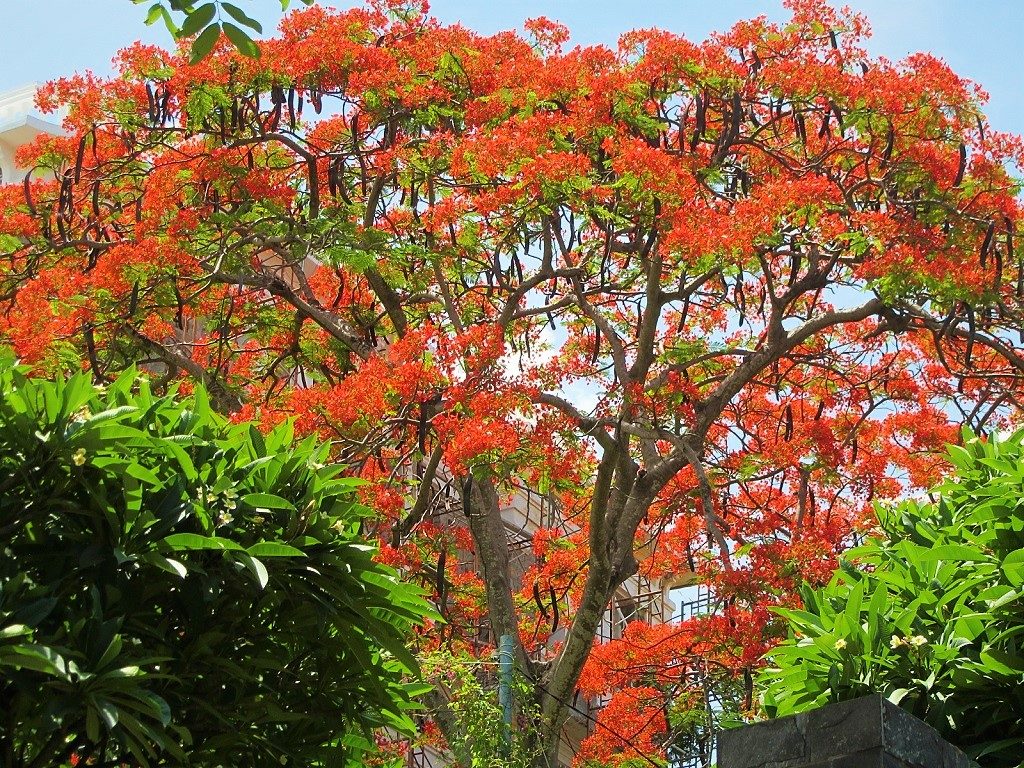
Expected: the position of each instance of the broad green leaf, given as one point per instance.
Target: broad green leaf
(111, 653)
(108, 714)
(258, 569)
(1002, 662)
(1013, 567)
(110, 414)
(203, 44)
(32, 656)
(274, 549)
(198, 19)
(266, 501)
(898, 695)
(239, 15)
(955, 552)
(245, 44)
(166, 564)
(192, 541)
(14, 630)
(156, 10)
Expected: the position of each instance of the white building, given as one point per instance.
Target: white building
(19, 124)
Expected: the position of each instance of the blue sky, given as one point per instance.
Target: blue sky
(981, 39)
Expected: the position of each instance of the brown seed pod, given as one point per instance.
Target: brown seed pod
(890, 141)
(554, 609)
(440, 585)
(824, 130)
(27, 184)
(80, 157)
(969, 351)
(540, 603)
(962, 167)
(700, 122)
(986, 243)
(801, 126)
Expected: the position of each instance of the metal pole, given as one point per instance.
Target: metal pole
(506, 659)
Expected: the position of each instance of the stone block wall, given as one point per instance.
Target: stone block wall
(863, 733)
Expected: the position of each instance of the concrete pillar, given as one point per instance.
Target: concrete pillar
(863, 733)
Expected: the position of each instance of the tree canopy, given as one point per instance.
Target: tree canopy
(710, 300)
(178, 591)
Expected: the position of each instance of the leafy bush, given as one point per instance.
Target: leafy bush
(929, 613)
(482, 738)
(178, 590)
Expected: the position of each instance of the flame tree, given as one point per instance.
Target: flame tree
(711, 299)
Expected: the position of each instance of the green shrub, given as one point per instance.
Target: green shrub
(176, 590)
(929, 613)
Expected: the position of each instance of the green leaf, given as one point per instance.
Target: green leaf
(951, 552)
(32, 656)
(181, 542)
(898, 695)
(110, 414)
(266, 501)
(258, 443)
(14, 630)
(274, 549)
(198, 19)
(111, 653)
(203, 44)
(139, 472)
(959, 457)
(258, 569)
(165, 564)
(239, 15)
(245, 44)
(92, 725)
(109, 714)
(34, 612)
(1013, 567)
(155, 12)
(1002, 662)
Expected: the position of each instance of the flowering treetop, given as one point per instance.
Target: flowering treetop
(711, 298)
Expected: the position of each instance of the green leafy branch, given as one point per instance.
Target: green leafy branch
(206, 22)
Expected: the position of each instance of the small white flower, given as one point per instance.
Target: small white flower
(840, 644)
(897, 642)
(917, 641)
(78, 457)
